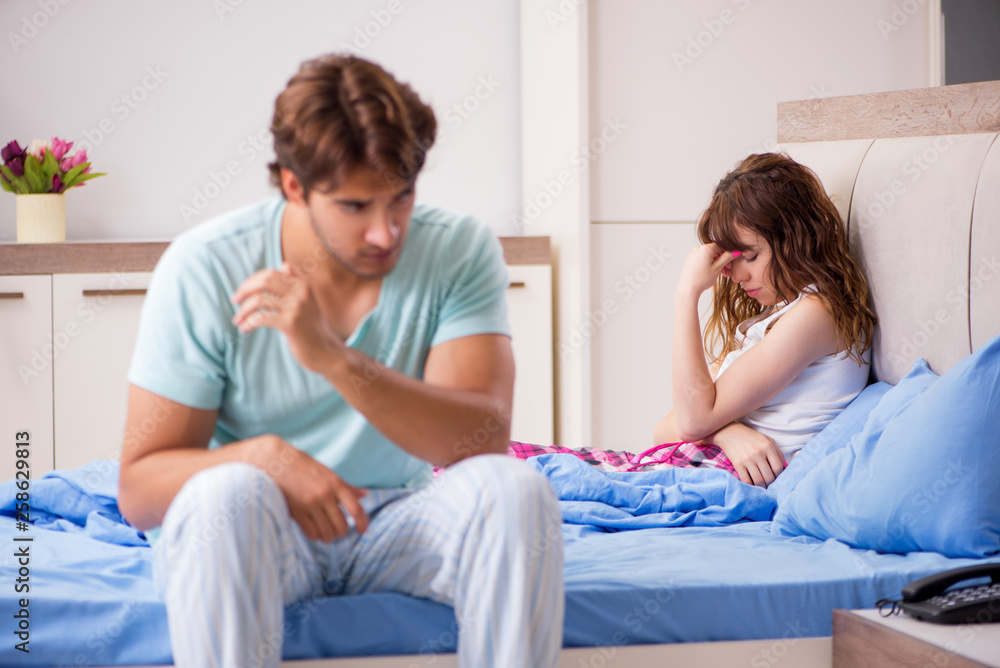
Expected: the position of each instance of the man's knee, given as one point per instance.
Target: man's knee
(510, 480)
(220, 500)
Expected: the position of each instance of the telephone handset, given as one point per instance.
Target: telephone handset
(931, 599)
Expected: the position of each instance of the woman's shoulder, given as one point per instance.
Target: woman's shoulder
(807, 306)
(771, 315)
(809, 316)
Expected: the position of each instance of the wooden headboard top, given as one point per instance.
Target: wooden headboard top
(916, 176)
(946, 110)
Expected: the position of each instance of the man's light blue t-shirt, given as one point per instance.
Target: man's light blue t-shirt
(449, 282)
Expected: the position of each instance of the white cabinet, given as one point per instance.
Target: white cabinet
(98, 315)
(529, 310)
(27, 353)
(68, 326)
(66, 342)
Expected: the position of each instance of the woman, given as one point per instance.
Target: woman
(790, 329)
(789, 334)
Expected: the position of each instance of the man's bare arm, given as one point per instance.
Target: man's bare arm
(461, 407)
(166, 443)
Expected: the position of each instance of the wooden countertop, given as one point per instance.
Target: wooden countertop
(91, 257)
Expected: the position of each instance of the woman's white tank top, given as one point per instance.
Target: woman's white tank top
(812, 399)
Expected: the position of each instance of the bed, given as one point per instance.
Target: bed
(687, 567)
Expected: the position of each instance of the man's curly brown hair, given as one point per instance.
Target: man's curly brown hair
(341, 112)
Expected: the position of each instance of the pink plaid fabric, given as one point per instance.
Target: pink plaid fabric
(683, 455)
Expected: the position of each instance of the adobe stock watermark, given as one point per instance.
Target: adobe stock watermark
(988, 614)
(446, 641)
(917, 505)
(958, 297)
(703, 40)
(772, 654)
(224, 7)
(470, 444)
(234, 508)
(300, 611)
(370, 30)
(913, 168)
(898, 17)
(455, 116)
(635, 620)
(770, 144)
(106, 467)
(579, 161)
(86, 312)
(296, 616)
(138, 434)
(30, 26)
(461, 111)
(626, 287)
(417, 331)
(122, 107)
(562, 13)
(100, 641)
(218, 180)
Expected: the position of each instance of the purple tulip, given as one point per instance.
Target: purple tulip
(11, 151)
(57, 184)
(16, 166)
(60, 148)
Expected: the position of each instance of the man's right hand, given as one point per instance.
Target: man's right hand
(316, 495)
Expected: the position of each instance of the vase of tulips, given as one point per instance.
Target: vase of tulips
(39, 176)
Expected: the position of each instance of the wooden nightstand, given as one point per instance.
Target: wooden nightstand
(865, 639)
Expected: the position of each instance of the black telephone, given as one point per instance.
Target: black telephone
(928, 599)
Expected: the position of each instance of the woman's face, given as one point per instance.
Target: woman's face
(752, 268)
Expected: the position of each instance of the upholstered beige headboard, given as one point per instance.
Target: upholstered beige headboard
(916, 176)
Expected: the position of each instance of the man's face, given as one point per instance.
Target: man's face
(363, 223)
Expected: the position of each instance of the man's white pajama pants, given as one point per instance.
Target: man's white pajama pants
(483, 537)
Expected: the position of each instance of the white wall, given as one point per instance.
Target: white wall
(691, 118)
(555, 182)
(688, 114)
(669, 131)
(199, 80)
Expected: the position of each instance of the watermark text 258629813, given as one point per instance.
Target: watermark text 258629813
(22, 547)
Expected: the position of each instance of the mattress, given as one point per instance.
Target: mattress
(91, 599)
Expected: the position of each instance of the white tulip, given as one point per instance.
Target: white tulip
(37, 148)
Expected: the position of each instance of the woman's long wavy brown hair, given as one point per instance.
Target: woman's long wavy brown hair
(785, 204)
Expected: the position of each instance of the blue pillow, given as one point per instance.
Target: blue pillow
(833, 437)
(921, 476)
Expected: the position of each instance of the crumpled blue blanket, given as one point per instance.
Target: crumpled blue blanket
(668, 498)
(81, 500)
(84, 500)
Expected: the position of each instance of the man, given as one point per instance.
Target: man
(301, 364)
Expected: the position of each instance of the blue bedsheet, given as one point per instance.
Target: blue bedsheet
(700, 573)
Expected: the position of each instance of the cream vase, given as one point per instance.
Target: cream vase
(41, 219)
